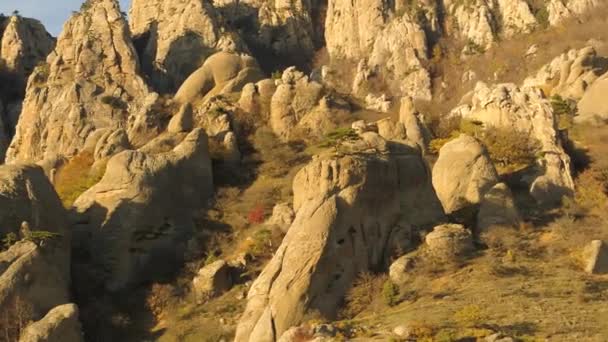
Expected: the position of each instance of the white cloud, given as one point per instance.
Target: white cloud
(52, 13)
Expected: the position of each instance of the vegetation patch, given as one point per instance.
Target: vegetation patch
(76, 177)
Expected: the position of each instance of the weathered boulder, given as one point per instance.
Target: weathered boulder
(526, 110)
(497, 208)
(61, 324)
(111, 143)
(140, 214)
(221, 73)
(400, 269)
(183, 121)
(593, 107)
(415, 129)
(561, 10)
(349, 210)
(175, 38)
(596, 257)
(282, 216)
(212, 280)
(91, 81)
(449, 241)
(570, 74)
(463, 173)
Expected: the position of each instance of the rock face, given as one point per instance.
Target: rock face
(221, 73)
(525, 110)
(280, 32)
(497, 208)
(212, 280)
(596, 257)
(350, 211)
(34, 276)
(463, 174)
(562, 10)
(24, 43)
(90, 81)
(176, 37)
(593, 107)
(282, 216)
(139, 216)
(61, 324)
(449, 241)
(400, 269)
(570, 74)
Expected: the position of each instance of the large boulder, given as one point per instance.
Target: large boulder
(61, 324)
(596, 257)
(449, 241)
(212, 280)
(221, 73)
(140, 215)
(351, 211)
(463, 174)
(175, 37)
(526, 110)
(593, 107)
(90, 81)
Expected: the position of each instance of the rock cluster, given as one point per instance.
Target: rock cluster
(349, 211)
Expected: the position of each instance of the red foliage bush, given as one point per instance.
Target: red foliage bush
(256, 215)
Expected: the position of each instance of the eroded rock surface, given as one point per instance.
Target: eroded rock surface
(140, 215)
(61, 324)
(350, 210)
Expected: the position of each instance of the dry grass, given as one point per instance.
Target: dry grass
(76, 177)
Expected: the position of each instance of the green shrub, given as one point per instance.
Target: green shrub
(510, 149)
(390, 293)
(469, 316)
(565, 110)
(9, 240)
(338, 136)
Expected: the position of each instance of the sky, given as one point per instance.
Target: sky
(52, 13)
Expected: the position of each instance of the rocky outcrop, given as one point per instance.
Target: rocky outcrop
(61, 324)
(24, 43)
(559, 10)
(34, 272)
(140, 215)
(463, 174)
(401, 269)
(176, 37)
(351, 211)
(279, 33)
(295, 98)
(570, 74)
(282, 217)
(90, 81)
(526, 110)
(593, 107)
(221, 73)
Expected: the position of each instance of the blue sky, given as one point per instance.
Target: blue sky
(52, 13)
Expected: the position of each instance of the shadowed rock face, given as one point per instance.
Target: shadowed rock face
(34, 275)
(350, 213)
(91, 81)
(136, 221)
(60, 325)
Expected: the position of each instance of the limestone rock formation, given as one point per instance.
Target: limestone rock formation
(350, 211)
(142, 210)
(279, 33)
(34, 272)
(24, 43)
(596, 257)
(221, 73)
(497, 208)
(282, 216)
(593, 107)
(61, 324)
(176, 37)
(570, 74)
(212, 280)
(559, 10)
(90, 81)
(449, 241)
(526, 110)
(400, 270)
(463, 173)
